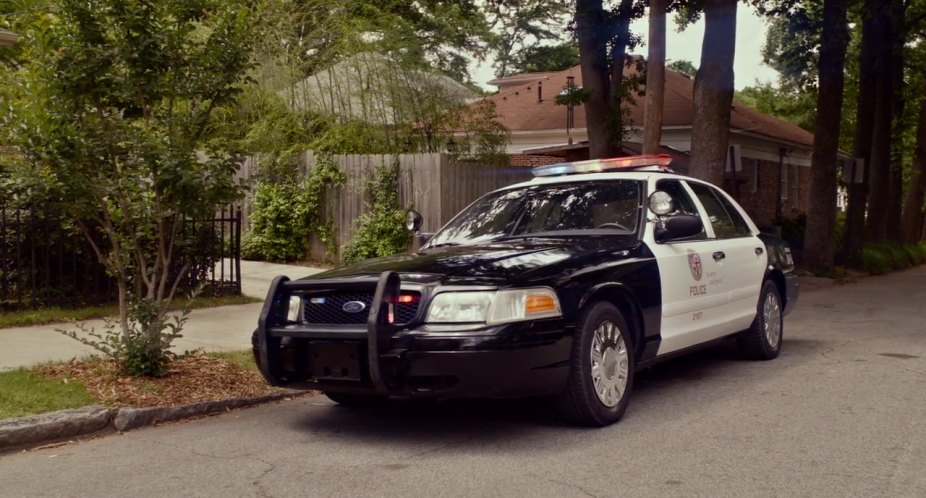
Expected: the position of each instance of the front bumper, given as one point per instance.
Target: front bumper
(511, 360)
(793, 290)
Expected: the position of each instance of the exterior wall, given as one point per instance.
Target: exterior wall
(764, 189)
(533, 160)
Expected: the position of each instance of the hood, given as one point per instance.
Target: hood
(509, 262)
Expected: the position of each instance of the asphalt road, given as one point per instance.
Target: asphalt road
(842, 412)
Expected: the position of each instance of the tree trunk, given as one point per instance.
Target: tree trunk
(655, 77)
(853, 236)
(615, 123)
(895, 170)
(592, 34)
(912, 220)
(819, 242)
(713, 92)
(879, 178)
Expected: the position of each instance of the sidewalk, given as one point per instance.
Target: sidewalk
(212, 329)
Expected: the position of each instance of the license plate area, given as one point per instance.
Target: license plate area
(339, 361)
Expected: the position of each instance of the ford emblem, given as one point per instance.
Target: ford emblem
(354, 306)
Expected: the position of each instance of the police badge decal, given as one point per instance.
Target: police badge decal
(694, 263)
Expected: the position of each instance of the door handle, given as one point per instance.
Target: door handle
(759, 251)
(719, 255)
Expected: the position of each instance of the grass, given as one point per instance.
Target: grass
(24, 392)
(42, 316)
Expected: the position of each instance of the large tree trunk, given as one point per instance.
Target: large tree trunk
(853, 236)
(879, 178)
(912, 220)
(713, 92)
(895, 171)
(618, 61)
(819, 242)
(592, 34)
(655, 77)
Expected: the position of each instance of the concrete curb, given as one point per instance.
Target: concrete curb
(50, 427)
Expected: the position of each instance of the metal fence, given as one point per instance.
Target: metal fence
(44, 262)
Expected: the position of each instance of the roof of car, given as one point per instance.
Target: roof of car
(591, 177)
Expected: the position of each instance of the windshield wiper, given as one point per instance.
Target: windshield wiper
(444, 244)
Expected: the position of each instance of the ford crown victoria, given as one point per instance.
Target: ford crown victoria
(562, 286)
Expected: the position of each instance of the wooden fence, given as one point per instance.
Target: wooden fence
(436, 185)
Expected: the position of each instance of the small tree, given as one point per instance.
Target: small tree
(112, 111)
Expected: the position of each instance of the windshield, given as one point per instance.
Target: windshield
(547, 210)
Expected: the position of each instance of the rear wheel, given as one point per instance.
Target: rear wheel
(355, 399)
(601, 373)
(762, 340)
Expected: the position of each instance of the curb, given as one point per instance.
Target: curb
(21, 432)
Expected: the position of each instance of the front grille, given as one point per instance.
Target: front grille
(328, 309)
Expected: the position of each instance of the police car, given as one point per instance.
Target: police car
(563, 286)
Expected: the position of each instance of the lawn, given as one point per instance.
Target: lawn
(42, 316)
(27, 392)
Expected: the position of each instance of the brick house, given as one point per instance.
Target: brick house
(774, 178)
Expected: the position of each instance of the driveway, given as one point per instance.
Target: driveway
(840, 413)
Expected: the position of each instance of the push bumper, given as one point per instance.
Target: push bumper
(511, 360)
(793, 290)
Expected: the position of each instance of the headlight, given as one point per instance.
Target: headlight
(295, 309)
(504, 306)
(459, 307)
(524, 304)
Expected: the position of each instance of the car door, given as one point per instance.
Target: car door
(738, 251)
(693, 283)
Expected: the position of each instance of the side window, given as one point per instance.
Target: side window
(683, 202)
(742, 228)
(721, 220)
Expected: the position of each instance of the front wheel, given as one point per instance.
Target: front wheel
(601, 370)
(762, 340)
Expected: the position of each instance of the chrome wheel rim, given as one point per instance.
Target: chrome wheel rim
(771, 314)
(610, 364)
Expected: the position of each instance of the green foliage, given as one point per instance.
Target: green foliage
(683, 66)
(878, 259)
(522, 26)
(25, 392)
(381, 231)
(286, 213)
(145, 350)
(111, 106)
(795, 106)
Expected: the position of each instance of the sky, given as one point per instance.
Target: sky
(747, 63)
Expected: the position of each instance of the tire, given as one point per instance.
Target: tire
(601, 368)
(355, 400)
(762, 340)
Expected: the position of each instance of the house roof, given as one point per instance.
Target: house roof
(519, 109)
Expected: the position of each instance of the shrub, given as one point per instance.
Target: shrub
(381, 231)
(285, 213)
(878, 259)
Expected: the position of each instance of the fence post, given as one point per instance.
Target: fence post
(237, 254)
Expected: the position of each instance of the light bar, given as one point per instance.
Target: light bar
(660, 161)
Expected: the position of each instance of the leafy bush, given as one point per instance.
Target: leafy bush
(286, 213)
(878, 259)
(381, 231)
(145, 350)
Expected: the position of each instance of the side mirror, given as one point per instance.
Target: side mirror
(679, 227)
(413, 221)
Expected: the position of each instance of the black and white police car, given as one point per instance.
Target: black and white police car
(564, 285)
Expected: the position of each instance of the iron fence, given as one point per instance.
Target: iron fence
(45, 262)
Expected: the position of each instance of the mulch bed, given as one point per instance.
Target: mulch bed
(190, 379)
